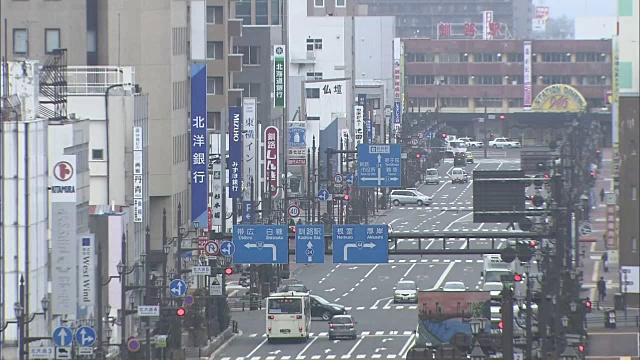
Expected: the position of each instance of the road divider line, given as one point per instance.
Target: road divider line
(387, 306)
(456, 220)
(306, 347)
(409, 270)
(408, 345)
(249, 355)
(444, 275)
(355, 345)
(370, 271)
(375, 305)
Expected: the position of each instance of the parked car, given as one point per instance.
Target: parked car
(409, 196)
(321, 308)
(503, 143)
(342, 326)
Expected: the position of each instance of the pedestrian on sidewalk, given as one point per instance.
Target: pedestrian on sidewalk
(602, 195)
(512, 226)
(602, 289)
(605, 259)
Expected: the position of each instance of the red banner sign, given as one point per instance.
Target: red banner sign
(272, 176)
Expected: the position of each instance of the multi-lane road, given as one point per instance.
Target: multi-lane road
(386, 329)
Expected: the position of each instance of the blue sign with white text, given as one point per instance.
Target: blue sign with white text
(397, 112)
(369, 126)
(310, 244)
(261, 244)
(379, 165)
(199, 148)
(247, 212)
(360, 244)
(235, 152)
(297, 137)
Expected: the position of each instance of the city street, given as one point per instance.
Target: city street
(385, 328)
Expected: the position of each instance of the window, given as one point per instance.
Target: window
(515, 57)
(456, 80)
(314, 76)
(595, 103)
(20, 41)
(634, 148)
(453, 57)
(486, 57)
(420, 57)
(516, 102)
(215, 85)
(341, 3)
(555, 79)
(314, 44)
(420, 79)
(51, 40)
(262, 12)
(489, 80)
(313, 93)
(590, 57)
(243, 11)
(634, 193)
(375, 103)
(214, 15)
(318, 3)
(215, 50)
(214, 120)
(556, 57)
(634, 244)
(97, 154)
(592, 80)
(514, 79)
(250, 54)
(454, 102)
(249, 89)
(275, 12)
(488, 102)
(92, 41)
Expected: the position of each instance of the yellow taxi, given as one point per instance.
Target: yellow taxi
(469, 157)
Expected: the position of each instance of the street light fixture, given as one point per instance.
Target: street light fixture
(569, 354)
(477, 353)
(107, 309)
(18, 309)
(475, 325)
(565, 321)
(573, 306)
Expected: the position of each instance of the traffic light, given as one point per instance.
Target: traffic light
(501, 325)
(344, 197)
(517, 277)
(228, 271)
(501, 117)
(537, 200)
(444, 136)
(581, 348)
(180, 312)
(587, 305)
(418, 156)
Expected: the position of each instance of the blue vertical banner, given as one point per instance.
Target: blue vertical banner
(235, 152)
(397, 112)
(369, 126)
(199, 148)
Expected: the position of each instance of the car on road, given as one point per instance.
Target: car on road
(409, 196)
(504, 143)
(432, 177)
(471, 143)
(454, 286)
(299, 288)
(458, 175)
(460, 159)
(321, 308)
(342, 326)
(469, 157)
(405, 291)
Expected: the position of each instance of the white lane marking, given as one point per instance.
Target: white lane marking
(409, 270)
(370, 271)
(256, 349)
(456, 220)
(387, 306)
(375, 305)
(443, 276)
(356, 345)
(408, 345)
(479, 227)
(306, 347)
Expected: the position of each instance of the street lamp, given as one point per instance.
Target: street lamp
(477, 353)
(565, 321)
(475, 325)
(569, 354)
(573, 306)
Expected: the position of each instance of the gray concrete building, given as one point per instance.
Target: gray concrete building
(259, 12)
(420, 18)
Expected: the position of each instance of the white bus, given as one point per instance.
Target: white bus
(288, 316)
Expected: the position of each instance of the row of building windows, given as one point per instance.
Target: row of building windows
(461, 102)
(181, 148)
(180, 94)
(261, 11)
(179, 38)
(510, 57)
(21, 41)
(250, 54)
(338, 3)
(314, 44)
(249, 89)
(503, 80)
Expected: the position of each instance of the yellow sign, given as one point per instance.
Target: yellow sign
(559, 98)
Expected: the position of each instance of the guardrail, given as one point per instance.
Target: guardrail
(243, 304)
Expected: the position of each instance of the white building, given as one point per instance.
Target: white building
(628, 42)
(594, 27)
(23, 204)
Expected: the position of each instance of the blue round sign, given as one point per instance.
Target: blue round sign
(188, 300)
(227, 248)
(351, 177)
(133, 345)
(324, 195)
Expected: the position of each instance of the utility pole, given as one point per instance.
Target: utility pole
(484, 127)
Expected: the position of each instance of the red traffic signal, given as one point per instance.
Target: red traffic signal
(537, 200)
(532, 243)
(593, 174)
(517, 277)
(418, 156)
(501, 117)
(228, 271)
(598, 151)
(181, 312)
(547, 176)
(444, 136)
(346, 197)
(581, 348)
(501, 325)
(587, 304)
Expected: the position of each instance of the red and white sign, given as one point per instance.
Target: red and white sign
(611, 226)
(294, 211)
(63, 180)
(469, 30)
(202, 243)
(209, 219)
(397, 80)
(539, 23)
(297, 162)
(211, 248)
(272, 173)
(487, 19)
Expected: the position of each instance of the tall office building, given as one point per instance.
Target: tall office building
(421, 18)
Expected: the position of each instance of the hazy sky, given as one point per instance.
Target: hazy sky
(573, 8)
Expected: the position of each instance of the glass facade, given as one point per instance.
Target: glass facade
(262, 12)
(275, 12)
(243, 11)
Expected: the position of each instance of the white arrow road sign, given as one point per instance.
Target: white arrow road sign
(369, 245)
(327, 351)
(380, 349)
(276, 352)
(264, 246)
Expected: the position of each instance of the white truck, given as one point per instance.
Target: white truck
(493, 270)
(471, 143)
(504, 143)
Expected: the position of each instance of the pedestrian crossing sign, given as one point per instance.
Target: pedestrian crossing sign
(215, 285)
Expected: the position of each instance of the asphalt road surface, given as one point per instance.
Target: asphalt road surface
(386, 329)
(613, 344)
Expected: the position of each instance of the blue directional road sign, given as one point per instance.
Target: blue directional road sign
(379, 165)
(351, 178)
(310, 244)
(227, 248)
(261, 244)
(360, 244)
(297, 137)
(324, 195)
(85, 336)
(429, 135)
(177, 287)
(62, 336)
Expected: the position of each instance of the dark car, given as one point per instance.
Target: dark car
(460, 159)
(295, 288)
(321, 308)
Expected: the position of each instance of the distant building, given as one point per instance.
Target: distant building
(594, 27)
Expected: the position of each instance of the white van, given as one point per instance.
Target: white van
(458, 176)
(432, 177)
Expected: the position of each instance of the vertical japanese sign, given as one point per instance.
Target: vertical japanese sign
(487, 19)
(615, 71)
(369, 126)
(358, 125)
(64, 242)
(216, 192)
(539, 23)
(402, 75)
(279, 76)
(527, 74)
(235, 152)
(612, 226)
(199, 149)
(86, 278)
(362, 99)
(271, 173)
(249, 160)
(397, 78)
(138, 189)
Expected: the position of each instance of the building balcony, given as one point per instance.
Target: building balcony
(234, 27)
(310, 58)
(235, 62)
